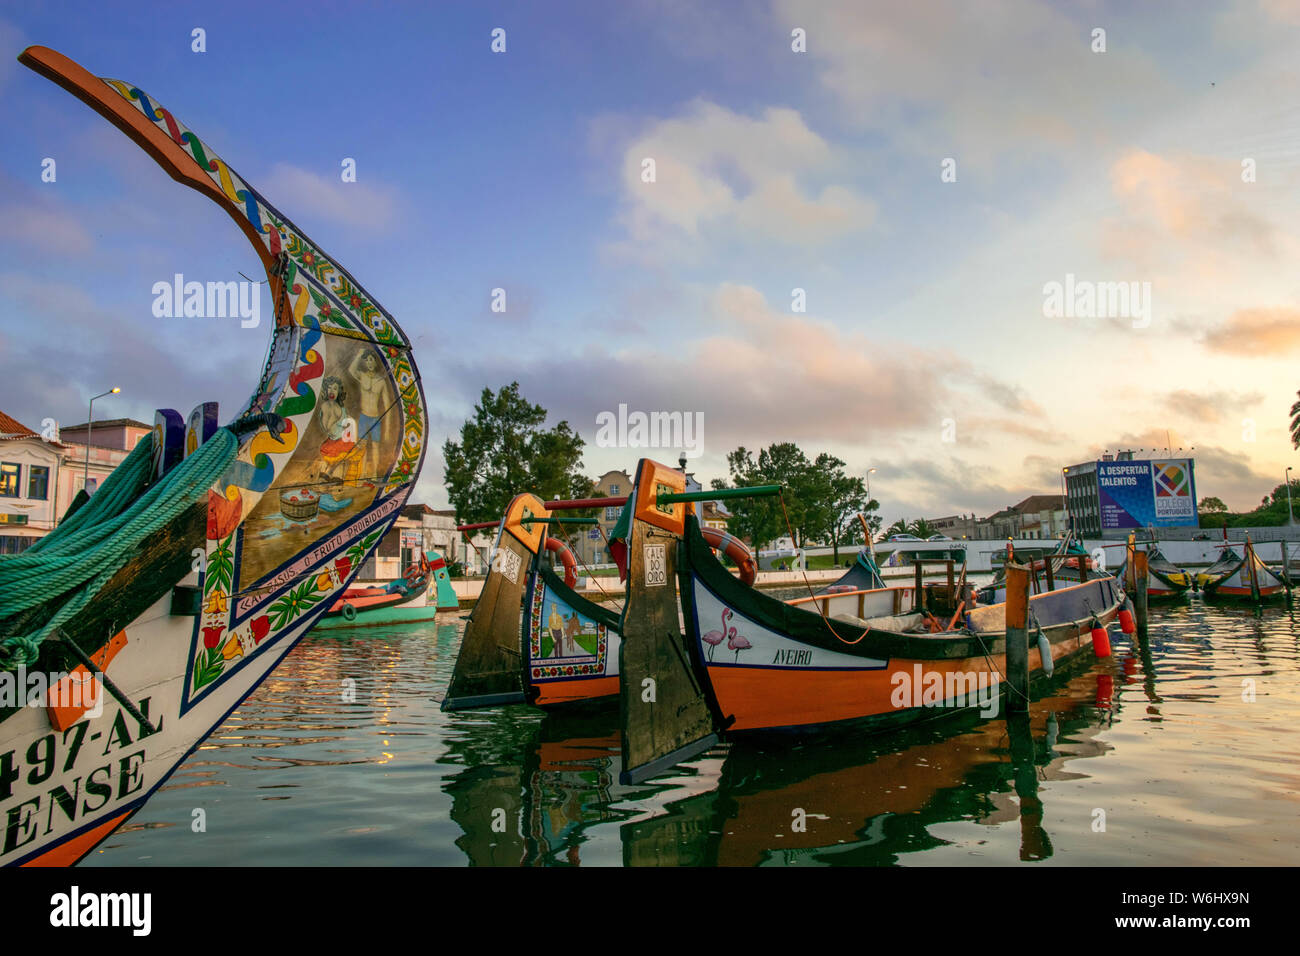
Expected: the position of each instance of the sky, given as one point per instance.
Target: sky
(850, 246)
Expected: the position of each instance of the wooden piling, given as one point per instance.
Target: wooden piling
(1017, 640)
(1254, 573)
(1286, 569)
(1141, 580)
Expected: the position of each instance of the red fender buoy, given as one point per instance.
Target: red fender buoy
(566, 559)
(735, 549)
(1100, 642)
(1105, 688)
(1126, 621)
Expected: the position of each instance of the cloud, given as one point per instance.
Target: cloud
(1257, 332)
(1184, 210)
(721, 175)
(759, 376)
(1008, 396)
(358, 204)
(44, 226)
(1208, 406)
(974, 81)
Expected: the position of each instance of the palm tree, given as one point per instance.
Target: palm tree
(898, 527)
(922, 528)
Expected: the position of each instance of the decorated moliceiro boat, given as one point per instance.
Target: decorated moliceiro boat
(161, 602)
(863, 656)
(531, 637)
(416, 596)
(1165, 580)
(1241, 576)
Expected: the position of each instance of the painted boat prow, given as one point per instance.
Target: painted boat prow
(242, 565)
(489, 667)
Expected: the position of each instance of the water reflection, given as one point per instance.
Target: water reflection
(841, 799)
(1185, 741)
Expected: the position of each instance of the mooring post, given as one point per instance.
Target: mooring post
(1141, 580)
(1017, 651)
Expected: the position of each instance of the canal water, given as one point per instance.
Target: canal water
(1180, 750)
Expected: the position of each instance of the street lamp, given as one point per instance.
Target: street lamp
(1065, 494)
(90, 424)
(1290, 515)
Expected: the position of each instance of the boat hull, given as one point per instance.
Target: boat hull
(780, 683)
(571, 645)
(65, 791)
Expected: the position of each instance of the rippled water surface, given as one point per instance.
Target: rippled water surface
(1180, 750)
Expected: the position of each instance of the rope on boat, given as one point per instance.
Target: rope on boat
(811, 593)
(592, 575)
(75, 560)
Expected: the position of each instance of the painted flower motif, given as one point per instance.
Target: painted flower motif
(355, 301)
(308, 259)
(211, 635)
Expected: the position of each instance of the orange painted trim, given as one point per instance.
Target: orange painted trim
(763, 698)
(70, 851)
(574, 691)
(527, 533)
(652, 479)
(174, 160)
(61, 718)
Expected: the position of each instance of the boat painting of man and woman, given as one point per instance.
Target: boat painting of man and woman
(249, 642)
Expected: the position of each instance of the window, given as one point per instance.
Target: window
(613, 490)
(13, 544)
(38, 482)
(611, 514)
(8, 479)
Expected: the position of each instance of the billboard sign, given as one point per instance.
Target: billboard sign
(1140, 494)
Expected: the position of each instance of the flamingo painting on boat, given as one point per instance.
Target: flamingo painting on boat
(714, 638)
(737, 643)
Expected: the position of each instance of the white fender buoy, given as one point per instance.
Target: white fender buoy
(1045, 653)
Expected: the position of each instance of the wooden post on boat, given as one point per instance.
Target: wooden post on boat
(1254, 572)
(1141, 579)
(918, 599)
(1286, 570)
(1017, 639)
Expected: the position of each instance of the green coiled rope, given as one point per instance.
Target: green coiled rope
(84, 552)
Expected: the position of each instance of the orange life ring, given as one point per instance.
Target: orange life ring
(735, 549)
(566, 558)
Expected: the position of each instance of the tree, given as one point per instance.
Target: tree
(1295, 424)
(762, 519)
(837, 498)
(900, 526)
(1211, 505)
(504, 451)
(922, 528)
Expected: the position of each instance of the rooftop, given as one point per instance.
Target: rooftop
(109, 423)
(12, 428)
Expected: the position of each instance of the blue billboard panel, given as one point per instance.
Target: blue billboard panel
(1139, 494)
